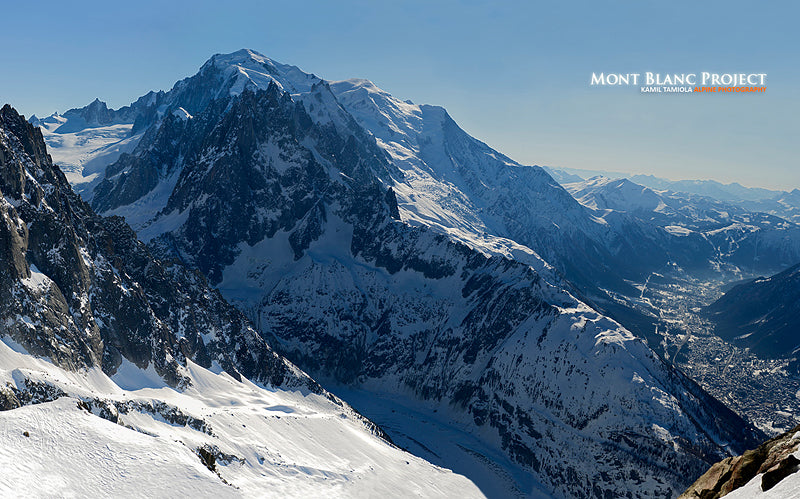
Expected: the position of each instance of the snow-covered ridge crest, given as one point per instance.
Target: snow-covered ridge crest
(620, 194)
(247, 68)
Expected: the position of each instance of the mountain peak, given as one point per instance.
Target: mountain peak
(363, 83)
(7, 110)
(29, 138)
(248, 69)
(94, 114)
(237, 57)
(96, 106)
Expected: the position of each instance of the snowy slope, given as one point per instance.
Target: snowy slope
(84, 154)
(430, 433)
(788, 488)
(458, 185)
(131, 434)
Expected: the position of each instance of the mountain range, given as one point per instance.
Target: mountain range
(784, 204)
(726, 235)
(384, 251)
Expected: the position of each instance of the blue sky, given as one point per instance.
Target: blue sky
(514, 74)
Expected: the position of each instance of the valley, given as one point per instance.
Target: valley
(764, 391)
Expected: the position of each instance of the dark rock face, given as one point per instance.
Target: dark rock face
(83, 291)
(773, 458)
(133, 176)
(97, 113)
(288, 191)
(763, 314)
(8, 399)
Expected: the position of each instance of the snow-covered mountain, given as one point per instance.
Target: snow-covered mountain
(733, 192)
(622, 232)
(458, 185)
(381, 273)
(722, 234)
(123, 375)
(602, 193)
(781, 204)
(443, 178)
(84, 141)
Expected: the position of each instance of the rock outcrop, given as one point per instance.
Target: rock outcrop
(774, 458)
(83, 291)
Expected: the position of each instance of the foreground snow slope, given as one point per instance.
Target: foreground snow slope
(89, 437)
(789, 488)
